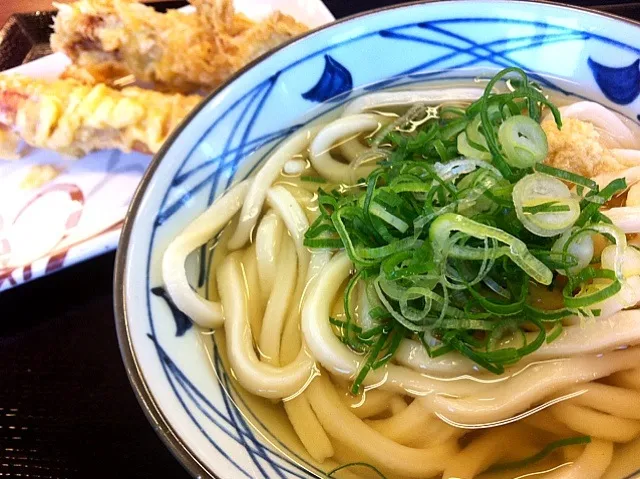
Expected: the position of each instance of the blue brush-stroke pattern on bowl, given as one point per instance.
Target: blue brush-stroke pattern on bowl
(182, 321)
(334, 83)
(438, 47)
(621, 85)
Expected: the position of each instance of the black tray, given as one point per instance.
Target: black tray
(25, 36)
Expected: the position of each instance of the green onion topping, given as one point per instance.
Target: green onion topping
(458, 228)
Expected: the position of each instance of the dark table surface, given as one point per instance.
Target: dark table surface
(66, 407)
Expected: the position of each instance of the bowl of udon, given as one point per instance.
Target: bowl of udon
(403, 246)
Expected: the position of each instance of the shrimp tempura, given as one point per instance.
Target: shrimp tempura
(72, 118)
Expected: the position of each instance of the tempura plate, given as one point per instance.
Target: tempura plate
(79, 214)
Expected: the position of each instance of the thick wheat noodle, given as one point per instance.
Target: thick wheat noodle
(633, 196)
(620, 402)
(255, 304)
(405, 426)
(291, 213)
(352, 149)
(629, 379)
(308, 428)
(320, 149)
(262, 181)
(397, 404)
(218, 255)
(302, 418)
(437, 432)
(291, 337)
(630, 175)
(380, 451)
(621, 329)
(591, 464)
(279, 303)
(207, 314)
(294, 218)
(545, 421)
(522, 391)
(628, 157)
(376, 401)
(603, 118)
(482, 452)
(596, 424)
(347, 455)
(625, 462)
(460, 401)
(256, 377)
(268, 238)
(627, 218)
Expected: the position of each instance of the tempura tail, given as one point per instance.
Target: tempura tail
(72, 118)
(182, 51)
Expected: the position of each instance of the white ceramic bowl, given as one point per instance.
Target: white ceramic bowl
(175, 371)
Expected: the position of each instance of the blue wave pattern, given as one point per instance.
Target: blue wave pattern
(183, 323)
(442, 46)
(333, 85)
(230, 421)
(620, 85)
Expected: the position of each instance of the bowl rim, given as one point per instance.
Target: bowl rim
(156, 418)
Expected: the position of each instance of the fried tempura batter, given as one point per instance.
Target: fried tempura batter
(175, 50)
(74, 119)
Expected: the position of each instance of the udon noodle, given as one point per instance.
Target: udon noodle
(407, 366)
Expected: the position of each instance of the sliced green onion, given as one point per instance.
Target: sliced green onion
(368, 364)
(546, 315)
(578, 244)
(504, 327)
(588, 299)
(465, 149)
(591, 209)
(389, 218)
(313, 179)
(523, 141)
(349, 324)
(323, 243)
(548, 207)
(474, 137)
(537, 189)
(555, 332)
(548, 449)
(621, 245)
(503, 309)
(414, 293)
(566, 176)
(441, 229)
(447, 247)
